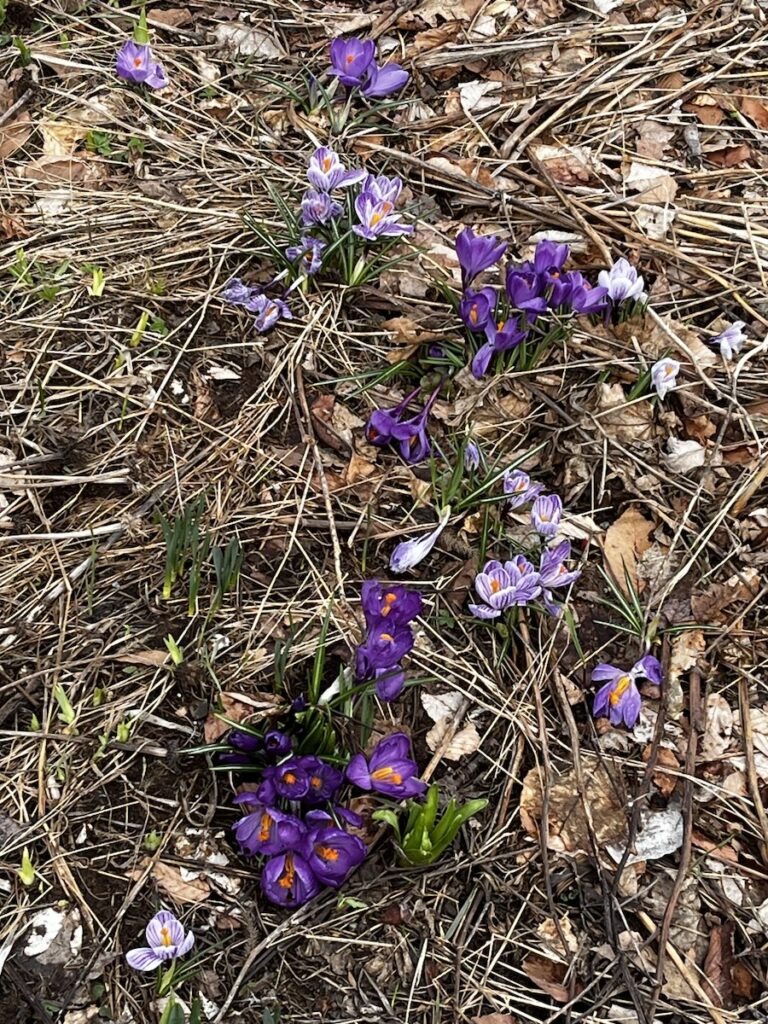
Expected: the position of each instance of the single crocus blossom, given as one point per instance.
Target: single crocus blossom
(549, 257)
(477, 308)
(309, 252)
(619, 699)
(622, 282)
(390, 683)
(477, 253)
(268, 312)
(237, 293)
(351, 59)
(324, 779)
(471, 457)
(384, 647)
(135, 63)
(502, 337)
(166, 940)
(499, 587)
(409, 553)
(377, 217)
(394, 605)
(525, 290)
(382, 188)
(553, 573)
(390, 769)
(582, 297)
(731, 339)
(546, 514)
(332, 854)
(266, 830)
(318, 208)
(277, 743)
(244, 741)
(664, 375)
(383, 80)
(326, 172)
(518, 486)
(288, 880)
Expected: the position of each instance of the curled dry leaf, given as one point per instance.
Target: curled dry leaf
(442, 709)
(654, 221)
(561, 941)
(334, 423)
(718, 727)
(173, 885)
(629, 422)
(718, 965)
(685, 456)
(687, 647)
(549, 976)
(667, 769)
(711, 606)
(653, 184)
(238, 707)
(248, 41)
(14, 134)
(625, 542)
(570, 165)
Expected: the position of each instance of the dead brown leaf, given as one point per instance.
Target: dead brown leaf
(408, 334)
(237, 707)
(664, 779)
(569, 165)
(718, 965)
(170, 881)
(495, 1018)
(57, 169)
(175, 17)
(653, 184)
(358, 469)
(730, 156)
(624, 421)
(549, 976)
(710, 605)
(335, 423)
(710, 114)
(718, 727)
(61, 138)
(432, 38)
(653, 139)
(14, 134)
(624, 543)
(151, 658)
(755, 109)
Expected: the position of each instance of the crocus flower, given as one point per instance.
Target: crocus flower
(525, 290)
(477, 308)
(549, 257)
(277, 743)
(268, 312)
(395, 605)
(288, 880)
(326, 172)
(622, 282)
(664, 375)
(384, 647)
(318, 207)
(518, 486)
(582, 297)
(266, 830)
(471, 457)
(324, 779)
(731, 339)
(382, 188)
(237, 293)
(332, 853)
(477, 253)
(516, 582)
(244, 741)
(552, 569)
(409, 553)
(309, 252)
(619, 698)
(502, 337)
(316, 818)
(136, 64)
(377, 218)
(390, 683)
(167, 940)
(386, 425)
(350, 59)
(546, 514)
(389, 770)
(384, 80)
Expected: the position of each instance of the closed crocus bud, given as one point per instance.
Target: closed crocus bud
(277, 743)
(477, 253)
(410, 552)
(244, 741)
(664, 375)
(471, 457)
(546, 514)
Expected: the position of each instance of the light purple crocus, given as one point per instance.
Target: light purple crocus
(268, 312)
(664, 375)
(477, 253)
(383, 188)
(135, 63)
(546, 514)
(409, 553)
(350, 59)
(385, 79)
(390, 770)
(622, 282)
(318, 208)
(471, 457)
(553, 574)
(326, 172)
(309, 252)
(377, 217)
(237, 293)
(501, 586)
(518, 486)
(731, 339)
(619, 698)
(288, 880)
(167, 940)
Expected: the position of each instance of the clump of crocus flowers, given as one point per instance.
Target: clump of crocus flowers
(389, 612)
(353, 63)
(407, 433)
(268, 311)
(135, 62)
(619, 698)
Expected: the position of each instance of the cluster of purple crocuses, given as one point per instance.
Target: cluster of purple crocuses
(531, 290)
(353, 62)
(407, 433)
(518, 582)
(389, 612)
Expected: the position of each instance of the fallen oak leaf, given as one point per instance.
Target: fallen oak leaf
(442, 709)
(14, 135)
(624, 543)
(549, 976)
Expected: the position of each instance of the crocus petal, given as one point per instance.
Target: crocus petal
(410, 552)
(385, 80)
(605, 672)
(143, 959)
(165, 930)
(357, 772)
(480, 611)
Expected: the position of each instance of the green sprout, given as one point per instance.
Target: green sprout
(425, 838)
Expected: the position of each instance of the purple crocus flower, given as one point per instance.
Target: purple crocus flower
(135, 63)
(377, 218)
(390, 683)
(409, 553)
(386, 425)
(731, 339)
(324, 779)
(619, 698)
(382, 188)
(476, 308)
(518, 486)
(552, 569)
(326, 172)
(167, 940)
(268, 312)
(622, 282)
(664, 375)
(546, 514)
(317, 818)
(394, 605)
(277, 743)
(350, 59)
(309, 252)
(549, 257)
(385, 79)
(382, 422)
(502, 337)
(318, 208)
(288, 880)
(246, 742)
(237, 293)
(384, 647)
(471, 457)
(290, 780)
(389, 770)
(582, 297)
(525, 291)
(477, 253)
(332, 854)
(266, 830)
(516, 582)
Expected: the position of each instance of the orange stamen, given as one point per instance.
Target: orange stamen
(327, 853)
(495, 586)
(622, 685)
(387, 775)
(290, 778)
(286, 879)
(386, 636)
(266, 828)
(166, 937)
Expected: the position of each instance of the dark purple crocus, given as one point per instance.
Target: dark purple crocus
(502, 337)
(290, 780)
(350, 59)
(389, 770)
(244, 741)
(583, 297)
(477, 308)
(309, 252)
(387, 425)
(267, 830)
(525, 291)
(332, 854)
(384, 648)
(277, 743)
(316, 818)
(500, 587)
(546, 514)
(381, 424)
(384, 80)
(550, 257)
(394, 605)
(477, 253)
(324, 779)
(288, 880)
(326, 172)
(390, 683)
(318, 208)
(135, 63)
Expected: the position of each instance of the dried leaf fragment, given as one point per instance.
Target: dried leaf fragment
(625, 542)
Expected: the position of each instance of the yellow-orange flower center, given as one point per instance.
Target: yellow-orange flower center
(289, 873)
(387, 636)
(327, 853)
(166, 937)
(621, 687)
(290, 778)
(387, 775)
(495, 586)
(327, 163)
(266, 828)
